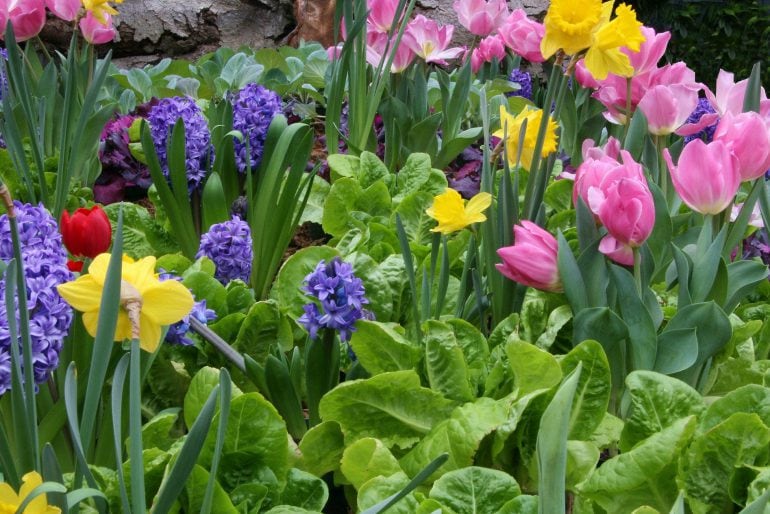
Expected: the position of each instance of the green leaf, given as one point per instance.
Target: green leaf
(156, 432)
(552, 445)
(582, 457)
(195, 488)
(343, 166)
(206, 287)
(459, 436)
(445, 362)
(557, 318)
(371, 169)
(413, 175)
(142, 236)
(475, 350)
(656, 402)
(713, 457)
(644, 475)
(475, 490)
(304, 490)
(240, 297)
(314, 208)
(322, 448)
(348, 205)
(392, 407)
(592, 394)
(287, 287)
(366, 459)
(417, 223)
(201, 385)
(677, 350)
(750, 398)
(381, 488)
(532, 367)
(256, 444)
(263, 327)
(380, 347)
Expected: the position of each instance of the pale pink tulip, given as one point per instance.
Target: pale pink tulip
(523, 35)
(730, 95)
(627, 210)
(429, 41)
(381, 14)
(67, 10)
(26, 16)
(481, 17)
(334, 52)
(747, 135)
(532, 260)
(94, 31)
(650, 52)
(755, 218)
(667, 107)
(376, 42)
(489, 48)
(706, 177)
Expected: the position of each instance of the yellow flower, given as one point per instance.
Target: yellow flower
(569, 25)
(10, 501)
(452, 214)
(604, 55)
(158, 303)
(511, 125)
(100, 8)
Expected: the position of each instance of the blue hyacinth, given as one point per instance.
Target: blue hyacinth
(229, 245)
(254, 107)
(524, 80)
(340, 296)
(707, 134)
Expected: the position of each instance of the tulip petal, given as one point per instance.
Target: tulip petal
(166, 302)
(84, 293)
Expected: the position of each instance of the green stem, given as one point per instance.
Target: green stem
(638, 271)
(138, 504)
(322, 371)
(628, 108)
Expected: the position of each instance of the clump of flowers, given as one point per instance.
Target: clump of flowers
(198, 149)
(178, 332)
(254, 107)
(524, 80)
(229, 245)
(340, 295)
(45, 267)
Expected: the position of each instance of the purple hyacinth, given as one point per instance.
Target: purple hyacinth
(229, 245)
(707, 134)
(254, 107)
(198, 149)
(524, 81)
(341, 298)
(45, 267)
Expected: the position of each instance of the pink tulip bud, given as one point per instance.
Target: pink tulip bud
(747, 135)
(489, 48)
(532, 260)
(481, 17)
(67, 10)
(523, 35)
(706, 177)
(94, 31)
(26, 16)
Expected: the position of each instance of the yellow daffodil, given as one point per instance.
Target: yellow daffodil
(99, 8)
(452, 214)
(576, 26)
(10, 501)
(604, 55)
(151, 302)
(511, 126)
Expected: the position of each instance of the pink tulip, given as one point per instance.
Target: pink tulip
(334, 52)
(67, 10)
(26, 16)
(532, 260)
(584, 77)
(481, 17)
(747, 135)
(650, 52)
(667, 107)
(381, 14)
(429, 41)
(730, 95)
(94, 31)
(626, 208)
(523, 35)
(600, 168)
(706, 177)
(489, 48)
(376, 42)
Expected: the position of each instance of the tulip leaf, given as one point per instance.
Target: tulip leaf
(571, 277)
(677, 350)
(641, 329)
(743, 278)
(606, 327)
(656, 401)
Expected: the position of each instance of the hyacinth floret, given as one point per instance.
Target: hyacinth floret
(198, 148)
(45, 267)
(341, 296)
(524, 81)
(707, 134)
(178, 332)
(229, 246)
(254, 107)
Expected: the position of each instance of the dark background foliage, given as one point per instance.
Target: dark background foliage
(713, 34)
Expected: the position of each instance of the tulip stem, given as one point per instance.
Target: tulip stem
(638, 271)
(628, 108)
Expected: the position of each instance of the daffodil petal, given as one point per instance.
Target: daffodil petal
(166, 302)
(8, 495)
(98, 268)
(84, 293)
(478, 204)
(149, 334)
(141, 274)
(122, 328)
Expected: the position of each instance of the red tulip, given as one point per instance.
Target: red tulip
(86, 233)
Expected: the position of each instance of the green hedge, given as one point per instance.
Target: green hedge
(713, 34)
